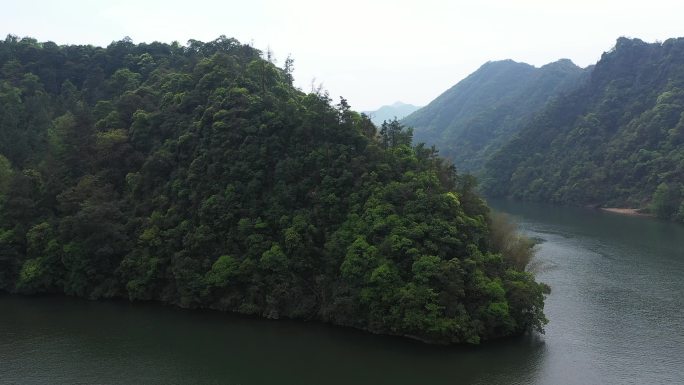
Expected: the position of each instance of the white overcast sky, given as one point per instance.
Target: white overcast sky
(371, 52)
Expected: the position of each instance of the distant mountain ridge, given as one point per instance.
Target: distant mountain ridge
(475, 117)
(397, 110)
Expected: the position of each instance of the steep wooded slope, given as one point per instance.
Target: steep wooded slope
(474, 118)
(618, 140)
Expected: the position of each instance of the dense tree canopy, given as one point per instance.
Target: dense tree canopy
(199, 176)
(618, 140)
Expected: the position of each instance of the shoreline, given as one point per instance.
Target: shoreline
(626, 211)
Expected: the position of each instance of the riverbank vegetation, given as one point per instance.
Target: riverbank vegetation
(517, 249)
(199, 176)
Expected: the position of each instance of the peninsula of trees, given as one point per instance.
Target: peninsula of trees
(198, 176)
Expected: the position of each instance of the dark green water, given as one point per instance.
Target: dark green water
(616, 312)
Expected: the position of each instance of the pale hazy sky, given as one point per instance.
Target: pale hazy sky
(371, 52)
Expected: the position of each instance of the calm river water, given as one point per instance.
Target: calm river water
(616, 317)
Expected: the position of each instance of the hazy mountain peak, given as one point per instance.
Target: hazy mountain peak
(505, 63)
(561, 63)
(398, 104)
(397, 110)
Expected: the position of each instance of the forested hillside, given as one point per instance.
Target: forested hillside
(474, 118)
(618, 140)
(199, 176)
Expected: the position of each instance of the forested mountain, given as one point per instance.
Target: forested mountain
(618, 140)
(199, 176)
(397, 110)
(474, 118)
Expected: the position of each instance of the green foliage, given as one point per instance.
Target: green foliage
(43, 268)
(667, 200)
(679, 216)
(199, 176)
(5, 175)
(393, 134)
(517, 250)
(617, 140)
(222, 271)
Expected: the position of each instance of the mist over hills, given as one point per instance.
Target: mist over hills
(395, 110)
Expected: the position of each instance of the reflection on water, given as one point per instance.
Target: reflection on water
(615, 312)
(61, 340)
